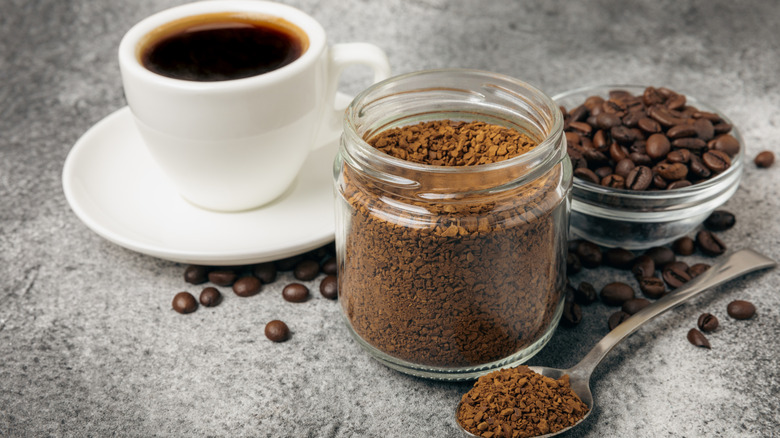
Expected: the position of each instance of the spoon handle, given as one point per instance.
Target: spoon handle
(736, 264)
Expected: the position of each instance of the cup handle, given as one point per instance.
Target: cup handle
(341, 56)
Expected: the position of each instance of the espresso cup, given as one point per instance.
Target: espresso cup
(232, 134)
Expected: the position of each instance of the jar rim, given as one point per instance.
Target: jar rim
(542, 152)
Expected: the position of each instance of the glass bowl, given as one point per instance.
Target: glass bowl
(635, 220)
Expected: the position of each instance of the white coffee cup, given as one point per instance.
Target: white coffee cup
(239, 144)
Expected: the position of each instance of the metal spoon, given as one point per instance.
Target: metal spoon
(734, 265)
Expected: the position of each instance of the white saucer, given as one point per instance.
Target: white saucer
(114, 187)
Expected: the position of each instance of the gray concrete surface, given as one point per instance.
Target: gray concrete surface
(89, 345)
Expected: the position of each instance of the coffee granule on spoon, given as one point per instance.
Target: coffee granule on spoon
(518, 403)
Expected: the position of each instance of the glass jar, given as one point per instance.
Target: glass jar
(449, 272)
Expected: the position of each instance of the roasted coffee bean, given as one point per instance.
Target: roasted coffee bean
(652, 96)
(679, 156)
(595, 158)
(617, 152)
(295, 293)
(764, 159)
(659, 182)
(672, 171)
(634, 305)
(306, 270)
(684, 246)
(618, 258)
(676, 275)
(247, 286)
(589, 254)
(716, 161)
(720, 220)
(622, 135)
(639, 178)
(585, 293)
(580, 128)
(210, 297)
(329, 287)
(721, 128)
(330, 266)
(676, 102)
(586, 174)
(698, 269)
(614, 181)
(277, 331)
(603, 171)
(644, 266)
(573, 264)
(572, 138)
(707, 322)
(184, 302)
(616, 319)
(682, 130)
(623, 168)
(633, 117)
(195, 274)
(652, 287)
(605, 121)
(572, 314)
(704, 129)
(661, 255)
(678, 184)
(709, 243)
(740, 309)
(649, 125)
(657, 146)
(265, 272)
(697, 168)
(696, 338)
(725, 143)
(640, 159)
(690, 143)
(663, 116)
(223, 277)
(616, 293)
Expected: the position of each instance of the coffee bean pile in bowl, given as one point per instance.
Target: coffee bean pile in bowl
(649, 164)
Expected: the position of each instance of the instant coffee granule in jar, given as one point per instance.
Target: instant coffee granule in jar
(451, 237)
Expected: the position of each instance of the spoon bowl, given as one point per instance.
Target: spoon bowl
(732, 266)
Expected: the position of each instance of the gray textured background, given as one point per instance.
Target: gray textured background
(90, 346)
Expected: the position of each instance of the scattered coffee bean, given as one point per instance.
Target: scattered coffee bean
(616, 319)
(277, 331)
(295, 293)
(306, 270)
(618, 258)
(616, 293)
(210, 297)
(195, 274)
(572, 314)
(696, 338)
(707, 322)
(589, 254)
(764, 159)
(573, 264)
(709, 243)
(184, 302)
(652, 287)
(720, 220)
(676, 274)
(265, 272)
(644, 266)
(697, 269)
(330, 266)
(247, 286)
(329, 287)
(740, 309)
(661, 256)
(684, 246)
(223, 277)
(634, 305)
(585, 293)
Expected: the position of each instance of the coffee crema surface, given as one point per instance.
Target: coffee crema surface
(222, 46)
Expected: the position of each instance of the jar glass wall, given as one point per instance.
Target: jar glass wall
(450, 272)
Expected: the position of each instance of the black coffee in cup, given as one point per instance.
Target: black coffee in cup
(222, 46)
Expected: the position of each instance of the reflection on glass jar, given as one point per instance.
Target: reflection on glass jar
(449, 272)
